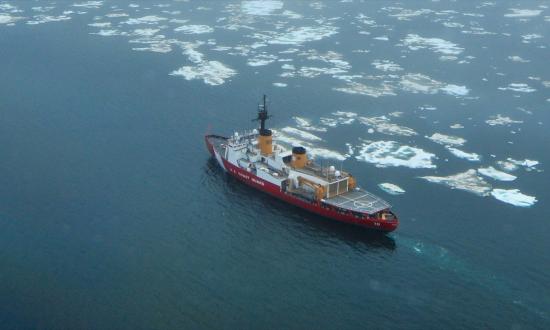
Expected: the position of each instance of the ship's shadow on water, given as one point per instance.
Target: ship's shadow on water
(310, 224)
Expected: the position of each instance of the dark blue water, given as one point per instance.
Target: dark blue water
(112, 214)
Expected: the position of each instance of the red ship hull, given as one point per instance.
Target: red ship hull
(314, 207)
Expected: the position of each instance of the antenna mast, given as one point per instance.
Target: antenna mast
(262, 114)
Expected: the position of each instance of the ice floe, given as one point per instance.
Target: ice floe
(155, 43)
(337, 65)
(41, 19)
(455, 90)
(345, 114)
(330, 122)
(351, 150)
(395, 114)
(391, 188)
(391, 153)
(453, 25)
(301, 134)
(382, 89)
(6, 7)
(415, 42)
(523, 13)
(312, 72)
(116, 15)
(502, 120)
(519, 59)
(100, 24)
(507, 166)
(149, 20)
(493, 173)
(278, 84)
(405, 14)
(528, 37)
(145, 32)
(194, 29)
(192, 53)
(331, 57)
(477, 30)
(514, 197)
(155, 48)
(109, 33)
(456, 126)
(42, 9)
(365, 20)
(290, 14)
(211, 72)
(518, 87)
(447, 140)
(420, 83)
(470, 156)
(261, 7)
(427, 107)
(261, 60)
(89, 4)
(297, 36)
(386, 65)
(339, 118)
(527, 163)
(8, 19)
(468, 181)
(511, 164)
(382, 124)
(306, 125)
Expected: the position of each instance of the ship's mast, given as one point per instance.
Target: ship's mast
(264, 138)
(262, 114)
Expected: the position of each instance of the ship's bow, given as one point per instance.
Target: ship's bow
(208, 139)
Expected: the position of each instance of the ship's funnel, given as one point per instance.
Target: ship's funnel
(299, 157)
(265, 142)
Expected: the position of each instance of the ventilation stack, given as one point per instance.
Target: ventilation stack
(299, 157)
(265, 142)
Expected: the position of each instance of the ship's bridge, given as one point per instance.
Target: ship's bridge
(240, 139)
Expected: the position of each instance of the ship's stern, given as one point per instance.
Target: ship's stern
(386, 221)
